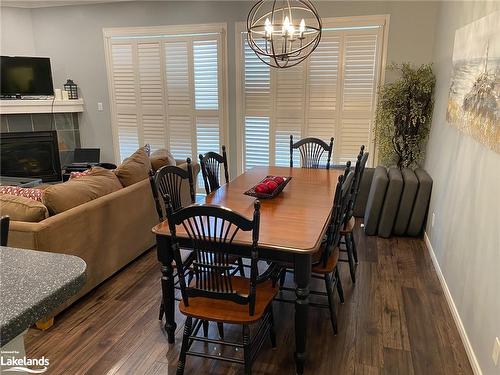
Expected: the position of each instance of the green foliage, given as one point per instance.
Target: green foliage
(404, 114)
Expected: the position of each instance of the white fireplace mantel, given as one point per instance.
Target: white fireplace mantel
(8, 107)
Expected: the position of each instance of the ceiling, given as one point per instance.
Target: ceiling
(53, 3)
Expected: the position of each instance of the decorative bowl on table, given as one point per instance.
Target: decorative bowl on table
(268, 187)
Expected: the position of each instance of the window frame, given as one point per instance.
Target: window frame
(329, 22)
(170, 30)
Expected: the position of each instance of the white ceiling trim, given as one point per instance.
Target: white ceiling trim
(28, 4)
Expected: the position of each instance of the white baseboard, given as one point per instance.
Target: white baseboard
(454, 312)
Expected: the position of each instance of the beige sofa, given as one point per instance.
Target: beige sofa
(107, 232)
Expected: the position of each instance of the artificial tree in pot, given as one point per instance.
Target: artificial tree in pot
(404, 113)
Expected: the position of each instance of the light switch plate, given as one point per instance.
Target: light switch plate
(496, 351)
(99, 106)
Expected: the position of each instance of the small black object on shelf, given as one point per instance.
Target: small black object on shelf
(71, 88)
(251, 192)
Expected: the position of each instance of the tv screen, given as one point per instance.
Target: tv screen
(30, 154)
(26, 76)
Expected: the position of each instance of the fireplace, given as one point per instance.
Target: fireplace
(30, 154)
(66, 125)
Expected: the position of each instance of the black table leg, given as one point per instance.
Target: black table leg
(164, 254)
(302, 279)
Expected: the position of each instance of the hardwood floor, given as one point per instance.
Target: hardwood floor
(394, 321)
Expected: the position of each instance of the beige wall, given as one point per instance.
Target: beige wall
(465, 200)
(72, 37)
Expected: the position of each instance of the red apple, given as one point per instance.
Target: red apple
(266, 180)
(262, 189)
(272, 185)
(279, 180)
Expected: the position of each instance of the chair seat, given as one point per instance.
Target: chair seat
(227, 311)
(330, 264)
(348, 228)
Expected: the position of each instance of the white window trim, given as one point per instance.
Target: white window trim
(218, 28)
(335, 22)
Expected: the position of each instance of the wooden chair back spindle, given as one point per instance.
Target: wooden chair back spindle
(311, 151)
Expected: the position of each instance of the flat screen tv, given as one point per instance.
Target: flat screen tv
(30, 154)
(26, 76)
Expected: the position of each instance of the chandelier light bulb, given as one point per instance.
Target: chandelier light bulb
(302, 27)
(268, 28)
(286, 25)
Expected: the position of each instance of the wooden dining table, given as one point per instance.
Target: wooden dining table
(292, 226)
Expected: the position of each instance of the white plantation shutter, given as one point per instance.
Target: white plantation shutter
(151, 95)
(166, 89)
(289, 110)
(257, 90)
(178, 73)
(331, 94)
(124, 87)
(358, 91)
(205, 74)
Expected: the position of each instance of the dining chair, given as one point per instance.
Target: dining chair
(215, 293)
(167, 181)
(348, 222)
(325, 260)
(210, 169)
(4, 230)
(311, 151)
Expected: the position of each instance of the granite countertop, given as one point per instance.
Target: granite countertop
(32, 285)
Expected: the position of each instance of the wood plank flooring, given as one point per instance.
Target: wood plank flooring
(394, 321)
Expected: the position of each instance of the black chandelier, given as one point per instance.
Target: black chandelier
(283, 33)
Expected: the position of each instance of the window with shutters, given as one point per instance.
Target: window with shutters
(165, 88)
(330, 94)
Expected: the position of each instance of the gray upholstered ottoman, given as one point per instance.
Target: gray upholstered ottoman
(364, 190)
(375, 200)
(421, 203)
(410, 186)
(391, 202)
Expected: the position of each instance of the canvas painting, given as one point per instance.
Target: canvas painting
(474, 97)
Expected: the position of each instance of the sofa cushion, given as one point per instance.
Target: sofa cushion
(135, 168)
(61, 197)
(160, 158)
(22, 208)
(31, 193)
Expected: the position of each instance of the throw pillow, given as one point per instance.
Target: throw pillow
(97, 183)
(135, 168)
(31, 193)
(79, 174)
(22, 209)
(160, 158)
